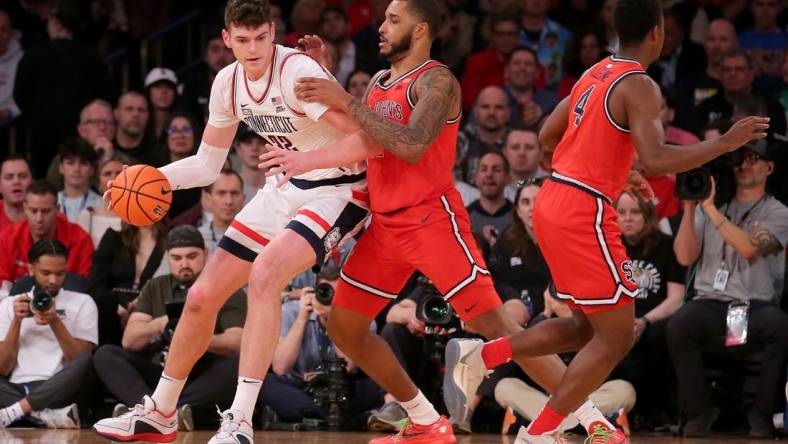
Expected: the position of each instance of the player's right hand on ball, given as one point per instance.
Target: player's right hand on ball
(746, 129)
(107, 197)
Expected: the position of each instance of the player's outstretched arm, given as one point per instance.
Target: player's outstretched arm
(640, 98)
(437, 92)
(203, 168)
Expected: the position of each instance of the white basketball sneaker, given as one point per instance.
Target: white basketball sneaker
(465, 371)
(235, 429)
(142, 423)
(523, 437)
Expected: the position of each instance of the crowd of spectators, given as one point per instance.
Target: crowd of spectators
(117, 288)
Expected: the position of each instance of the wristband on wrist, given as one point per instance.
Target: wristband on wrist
(724, 219)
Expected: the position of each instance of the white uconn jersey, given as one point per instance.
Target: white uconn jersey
(270, 108)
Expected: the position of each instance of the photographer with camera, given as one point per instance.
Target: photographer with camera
(48, 334)
(310, 377)
(131, 372)
(740, 250)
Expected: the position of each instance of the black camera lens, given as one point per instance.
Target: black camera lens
(694, 184)
(41, 301)
(324, 293)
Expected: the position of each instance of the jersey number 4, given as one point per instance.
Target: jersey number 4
(580, 107)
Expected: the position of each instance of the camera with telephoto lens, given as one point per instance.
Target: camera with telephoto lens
(433, 309)
(695, 184)
(324, 293)
(41, 301)
(331, 391)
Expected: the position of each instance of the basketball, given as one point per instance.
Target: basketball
(141, 195)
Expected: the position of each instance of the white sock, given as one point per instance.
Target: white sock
(10, 414)
(246, 396)
(167, 392)
(420, 410)
(589, 414)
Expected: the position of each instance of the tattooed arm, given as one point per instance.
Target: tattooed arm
(759, 242)
(437, 95)
(765, 242)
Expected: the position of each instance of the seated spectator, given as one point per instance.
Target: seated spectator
(197, 84)
(737, 83)
(680, 57)
(123, 263)
(518, 268)
(132, 137)
(527, 102)
(303, 349)
(660, 281)
(740, 249)
(524, 154)
(586, 48)
(226, 198)
(77, 165)
(97, 220)
(42, 222)
(334, 29)
(45, 353)
(248, 147)
(545, 37)
(492, 212)
(486, 67)
(161, 87)
(768, 39)
(357, 83)
(97, 128)
(130, 373)
(305, 18)
(486, 132)
(15, 177)
(182, 136)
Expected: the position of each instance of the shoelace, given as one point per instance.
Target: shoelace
(138, 410)
(600, 435)
(228, 426)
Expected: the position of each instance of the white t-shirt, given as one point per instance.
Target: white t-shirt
(40, 355)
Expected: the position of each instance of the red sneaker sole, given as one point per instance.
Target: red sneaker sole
(146, 437)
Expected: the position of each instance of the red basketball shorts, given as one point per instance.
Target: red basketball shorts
(580, 239)
(434, 238)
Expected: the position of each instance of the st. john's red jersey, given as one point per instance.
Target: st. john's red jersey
(595, 150)
(393, 183)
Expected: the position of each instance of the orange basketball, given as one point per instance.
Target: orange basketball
(141, 195)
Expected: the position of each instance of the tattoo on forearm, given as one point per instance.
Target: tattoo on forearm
(764, 241)
(437, 91)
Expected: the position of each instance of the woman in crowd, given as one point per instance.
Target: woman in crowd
(357, 83)
(123, 263)
(517, 266)
(586, 48)
(181, 138)
(660, 281)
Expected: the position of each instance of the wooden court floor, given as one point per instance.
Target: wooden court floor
(19, 436)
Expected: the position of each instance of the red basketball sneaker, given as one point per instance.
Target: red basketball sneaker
(439, 432)
(600, 433)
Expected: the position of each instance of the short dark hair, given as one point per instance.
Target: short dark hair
(15, 156)
(503, 17)
(527, 49)
(41, 188)
(736, 53)
(430, 11)
(634, 19)
(226, 172)
(506, 166)
(46, 248)
(79, 149)
(335, 10)
(247, 13)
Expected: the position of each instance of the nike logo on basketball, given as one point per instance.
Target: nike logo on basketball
(470, 307)
(165, 191)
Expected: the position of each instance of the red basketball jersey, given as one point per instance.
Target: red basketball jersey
(393, 183)
(595, 150)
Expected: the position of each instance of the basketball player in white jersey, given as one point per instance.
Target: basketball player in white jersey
(283, 231)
